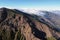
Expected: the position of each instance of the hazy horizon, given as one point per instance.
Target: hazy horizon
(31, 4)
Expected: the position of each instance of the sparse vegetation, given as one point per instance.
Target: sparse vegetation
(51, 38)
(10, 14)
(8, 34)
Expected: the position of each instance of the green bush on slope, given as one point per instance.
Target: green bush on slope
(51, 38)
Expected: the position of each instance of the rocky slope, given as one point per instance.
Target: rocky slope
(52, 18)
(17, 25)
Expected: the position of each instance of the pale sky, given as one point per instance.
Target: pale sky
(31, 4)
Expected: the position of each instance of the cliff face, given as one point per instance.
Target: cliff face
(16, 25)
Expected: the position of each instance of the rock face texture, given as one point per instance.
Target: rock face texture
(17, 25)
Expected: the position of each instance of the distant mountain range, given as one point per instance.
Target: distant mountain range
(52, 16)
(20, 25)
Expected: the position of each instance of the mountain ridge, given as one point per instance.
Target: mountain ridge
(13, 21)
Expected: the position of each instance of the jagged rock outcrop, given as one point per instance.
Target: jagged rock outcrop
(17, 25)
